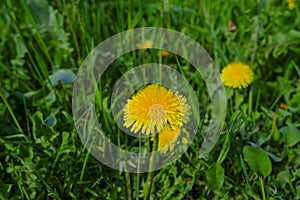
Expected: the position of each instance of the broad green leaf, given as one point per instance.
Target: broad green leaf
(272, 156)
(43, 134)
(63, 75)
(283, 177)
(215, 177)
(291, 134)
(51, 120)
(257, 160)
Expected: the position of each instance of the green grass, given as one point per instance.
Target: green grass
(41, 154)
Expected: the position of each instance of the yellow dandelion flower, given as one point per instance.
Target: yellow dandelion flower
(164, 53)
(147, 44)
(167, 138)
(237, 75)
(283, 106)
(291, 4)
(154, 107)
(170, 136)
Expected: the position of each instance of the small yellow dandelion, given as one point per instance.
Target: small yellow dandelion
(167, 138)
(154, 107)
(283, 106)
(237, 75)
(147, 44)
(291, 4)
(164, 53)
(170, 136)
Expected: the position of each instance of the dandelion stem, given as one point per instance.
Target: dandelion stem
(148, 184)
(262, 187)
(128, 185)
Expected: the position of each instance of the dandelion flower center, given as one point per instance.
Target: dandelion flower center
(157, 112)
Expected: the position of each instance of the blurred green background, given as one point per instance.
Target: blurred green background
(42, 45)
